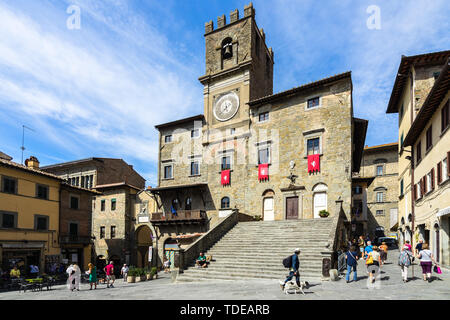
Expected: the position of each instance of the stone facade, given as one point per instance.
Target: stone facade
(89, 173)
(288, 123)
(119, 246)
(76, 241)
(381, 162)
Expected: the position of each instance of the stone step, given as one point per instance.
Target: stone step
(223, 258)
(206, 277)
(272, 251)
(246, 268)
(205, 273)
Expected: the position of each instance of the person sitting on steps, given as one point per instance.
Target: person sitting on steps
(201, 261)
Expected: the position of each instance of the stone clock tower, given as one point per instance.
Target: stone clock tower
(239, 68)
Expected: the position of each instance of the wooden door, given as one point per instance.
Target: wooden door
(292, 208)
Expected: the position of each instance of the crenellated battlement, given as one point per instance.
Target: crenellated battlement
(234, 16)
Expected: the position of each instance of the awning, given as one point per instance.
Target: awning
(443, 212)
(23, 245)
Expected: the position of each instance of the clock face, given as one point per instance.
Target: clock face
(226, 106)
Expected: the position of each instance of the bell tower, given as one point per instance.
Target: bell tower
(239, 67)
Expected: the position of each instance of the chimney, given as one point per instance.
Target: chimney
(248, 10)
(234, 16)
(32, 163)
(221, 21)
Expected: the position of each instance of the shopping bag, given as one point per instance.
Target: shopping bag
(437, 269)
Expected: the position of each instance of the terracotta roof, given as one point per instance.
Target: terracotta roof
(176, 122)
(68, 163)
(299, 89)
(386, 145)
(19, 166)
(440, 89)
(117, 184)
(403, 70)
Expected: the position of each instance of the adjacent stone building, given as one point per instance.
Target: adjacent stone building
(279, 156)
(415, 80)
(381, 196)
(75, 222)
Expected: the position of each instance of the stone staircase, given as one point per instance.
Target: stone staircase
(256, 250)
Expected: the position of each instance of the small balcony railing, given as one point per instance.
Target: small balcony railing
(182, 216)
(74, 239)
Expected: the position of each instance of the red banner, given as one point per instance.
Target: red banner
(263, 171)
(225, 177)
(314, 163)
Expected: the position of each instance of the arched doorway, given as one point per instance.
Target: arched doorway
(268, 205)
(319, 198)
(143, 244)
(100, 263)
(117, 264)
(170, 246)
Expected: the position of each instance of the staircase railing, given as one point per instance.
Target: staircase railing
(188, 256)
(328, 255)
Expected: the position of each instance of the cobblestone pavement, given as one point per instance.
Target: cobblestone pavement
(389, 285)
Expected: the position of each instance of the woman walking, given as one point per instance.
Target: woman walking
(383, 251)
(426, 262)
(404, 261)
(92, 275)
(373, 263)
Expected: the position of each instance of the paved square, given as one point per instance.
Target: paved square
(389, 285)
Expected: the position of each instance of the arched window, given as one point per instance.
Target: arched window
(188, 205)
(175, 204)
(227, 48)
(225, 203)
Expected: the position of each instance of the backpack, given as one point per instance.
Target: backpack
(369, 259)
(404, 259)
(287, 262)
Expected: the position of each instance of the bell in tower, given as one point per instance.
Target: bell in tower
(227, 49)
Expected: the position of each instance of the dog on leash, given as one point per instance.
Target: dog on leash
(292, 287)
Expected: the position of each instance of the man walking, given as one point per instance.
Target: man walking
(293, 270)
(109, 270)
(352, 262)
(124, 272)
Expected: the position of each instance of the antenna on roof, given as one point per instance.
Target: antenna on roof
(23, 139)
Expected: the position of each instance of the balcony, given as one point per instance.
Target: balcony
(74, 239)
(182, 217)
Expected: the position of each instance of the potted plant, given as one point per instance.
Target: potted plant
(324, 213)
(131, 278)
(138, 275)
(154, 273)
(142, 274)
(148, 274)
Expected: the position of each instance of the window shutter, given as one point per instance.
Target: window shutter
(448, 164)
(415, 192)
(424, 185)
(432, 179)
(439, 172)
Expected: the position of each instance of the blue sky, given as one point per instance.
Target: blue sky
(99, 90)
